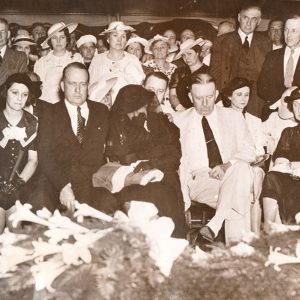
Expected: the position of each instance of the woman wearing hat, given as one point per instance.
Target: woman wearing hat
(170, 34)
(116, 62)
(138, 133)
(136, 45)
(50, 67)
(190, 51)
(281, 188)
(18, 156)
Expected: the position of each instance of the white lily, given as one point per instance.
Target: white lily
(45, 272)
(200, 256)
(88, 239)
(23, 213)
(56, 235)
(9, 238)
(276, 258)
(42, 248)
(72, 253)
(242, 249)
(44, 213)
(84, 210)
(280, 228)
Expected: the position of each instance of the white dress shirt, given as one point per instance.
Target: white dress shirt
(287, 53)
(2, 51)
(243, 36)
(72, 110)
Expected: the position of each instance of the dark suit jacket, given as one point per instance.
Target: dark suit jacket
(226, 54)
(12, 62)
(226, 63)
(271, 79)
(62, 159)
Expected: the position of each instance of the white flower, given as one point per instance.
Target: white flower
(242, 249)
(14, 133)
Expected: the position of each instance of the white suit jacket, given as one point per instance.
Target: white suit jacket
(231, 134)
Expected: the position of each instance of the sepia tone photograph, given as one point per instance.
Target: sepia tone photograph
(149, 150)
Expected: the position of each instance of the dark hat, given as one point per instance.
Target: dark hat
(295, 95)
(20, 78)
(131, 98)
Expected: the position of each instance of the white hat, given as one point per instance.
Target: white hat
(189, 44)
(156, 38)
(59, 27)
(23, 40)
(99, 89)
(283, 111)
(137, 39)
(86, 39)
(117, 26)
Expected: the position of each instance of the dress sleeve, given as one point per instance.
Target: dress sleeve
(283, 148)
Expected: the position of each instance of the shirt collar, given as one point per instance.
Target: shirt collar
(288, 51)
(73, 108)
(3, 50)
(243, 36)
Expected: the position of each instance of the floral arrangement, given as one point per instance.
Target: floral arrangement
(129, 257)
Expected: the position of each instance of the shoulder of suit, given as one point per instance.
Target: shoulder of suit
(228, 111)
(16, 54)
(97, 106)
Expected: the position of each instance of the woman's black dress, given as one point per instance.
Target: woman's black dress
(281, 186)
(10, 151)
(161, 146)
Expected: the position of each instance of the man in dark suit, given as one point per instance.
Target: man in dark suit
(281, 68)
(71, 138)
(241, 54)
(10, 61)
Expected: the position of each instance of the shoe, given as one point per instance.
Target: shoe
(207, 233)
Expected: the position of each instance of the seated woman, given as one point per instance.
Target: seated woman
(136, 45)
(281, 186)
(137, 133)
(236, 95)
(18, 157)
(179, 85)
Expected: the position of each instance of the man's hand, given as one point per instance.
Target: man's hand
(67, 197)
(218, 172)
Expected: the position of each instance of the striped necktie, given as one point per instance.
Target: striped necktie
(80, 125)
(289, 71)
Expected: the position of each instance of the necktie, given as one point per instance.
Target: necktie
(213, 153)
(80, 125)
(246, 45)
(289, 71)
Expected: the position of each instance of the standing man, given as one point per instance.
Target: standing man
(214, 168)
(87, 48)
(71, 139)
(10, 61)
(275, 32)
(281, 68)
(241, 54)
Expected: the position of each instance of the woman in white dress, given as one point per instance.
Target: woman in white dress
(50, 67)
(236, 95)
(114, 63)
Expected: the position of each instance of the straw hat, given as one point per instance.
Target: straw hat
(117, 26)
(86, 39)
(137, 39)
(281, 104)
(189, 44)
(59, 27)
(23, 40)
(156, 38)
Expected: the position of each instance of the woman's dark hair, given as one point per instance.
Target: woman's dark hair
(67, 34)
(295, 95)
(197, 49)
(234, 84)
(15, 78)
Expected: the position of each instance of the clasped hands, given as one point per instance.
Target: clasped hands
(218, 172)
(9, 187)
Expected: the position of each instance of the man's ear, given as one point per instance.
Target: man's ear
(258, 22)
(217, 94)
(8, 34)
(62, 85)
(239, 18)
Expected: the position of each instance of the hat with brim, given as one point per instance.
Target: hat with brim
(86, 39)
(57, 27)
(99, 90)
(189, 44)
(117, 26)
(21, 40)
(137, 39)
(155, 39)
(281, 104)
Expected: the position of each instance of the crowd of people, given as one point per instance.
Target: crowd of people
(173, 120)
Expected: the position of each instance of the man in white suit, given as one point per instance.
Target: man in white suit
(216, 151)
